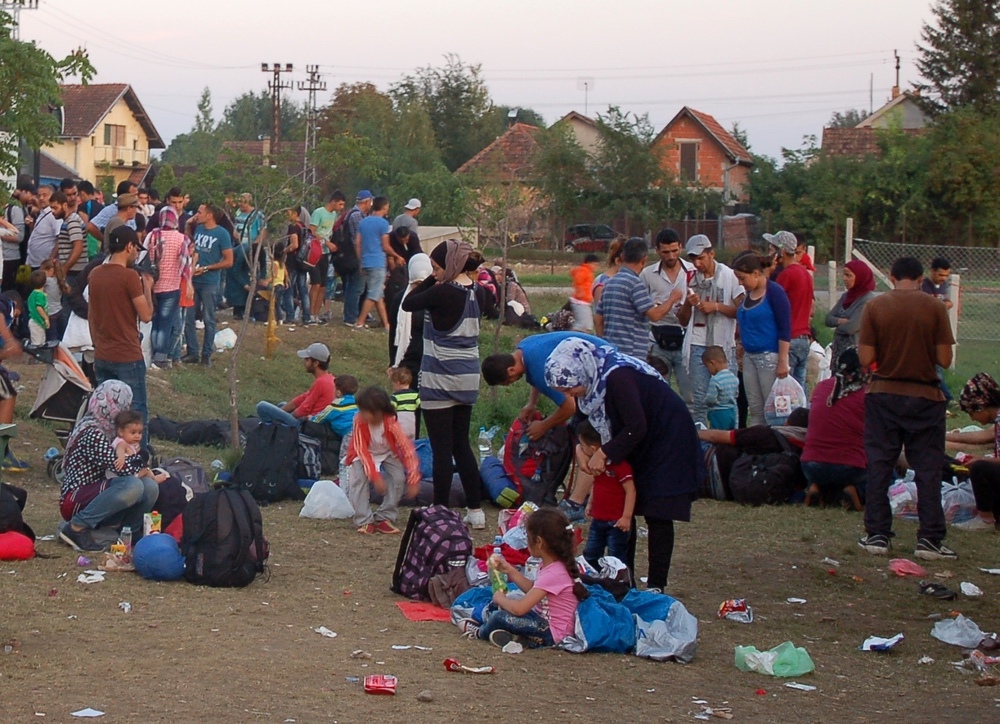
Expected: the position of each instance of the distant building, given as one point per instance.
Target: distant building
(510, 157)
(902, 112)
(697, 150)
(104, 132)
(584, 130)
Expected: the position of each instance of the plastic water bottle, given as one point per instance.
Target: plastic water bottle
(51, 454)
(218, 465)
(498, 580)
(485, 444)
(126, 539)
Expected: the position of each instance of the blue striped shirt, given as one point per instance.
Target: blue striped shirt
(623, 305)
(723, 389)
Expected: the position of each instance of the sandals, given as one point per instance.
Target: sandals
(936, 590)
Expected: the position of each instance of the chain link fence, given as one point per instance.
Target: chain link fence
(979, 272)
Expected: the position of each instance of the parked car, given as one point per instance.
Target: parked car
(589, 237)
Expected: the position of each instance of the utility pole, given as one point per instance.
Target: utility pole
(312, 86)
(14, 8)
(276, 86)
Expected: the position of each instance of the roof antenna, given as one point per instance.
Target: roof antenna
(895, 88)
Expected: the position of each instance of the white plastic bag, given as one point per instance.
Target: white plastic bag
(326, 500)
(786, 395)
(958, 631)
(224, 339)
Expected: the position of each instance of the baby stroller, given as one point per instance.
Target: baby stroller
(62, 396)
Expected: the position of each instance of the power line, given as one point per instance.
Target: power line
(14, 8)
(276, 86)
(312, 86)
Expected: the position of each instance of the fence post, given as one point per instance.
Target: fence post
(831, 270)
(848, 240)
(955, 296)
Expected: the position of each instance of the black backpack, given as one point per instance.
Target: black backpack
(329, 440)
(345, 259)
(270, 463)
(223, 541)
(765, 479)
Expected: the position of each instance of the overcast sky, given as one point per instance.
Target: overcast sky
(780, 68)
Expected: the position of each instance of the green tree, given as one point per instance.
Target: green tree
(203, 122)
(458, 104)
(29, 88)
(248, 118)
(200, 146)
(561, 176)
(846, 119)
(960, 56)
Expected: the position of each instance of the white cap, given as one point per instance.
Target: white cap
(412, 204)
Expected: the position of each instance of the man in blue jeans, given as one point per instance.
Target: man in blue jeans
(316, 358)
(214, 248)
(119, 300)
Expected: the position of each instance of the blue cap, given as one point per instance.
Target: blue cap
(364, 195)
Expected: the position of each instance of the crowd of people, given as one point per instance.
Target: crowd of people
(664, 357)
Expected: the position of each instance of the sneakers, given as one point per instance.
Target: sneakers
(929, 550)
(11, 463)
(469, 627)
(501, 638)
(574, 511)
(877, 544)
(475, 519)
(976, 524)
(81, 540)
(366, 529)
(384, 526)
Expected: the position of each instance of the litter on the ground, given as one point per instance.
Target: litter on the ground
(512, 647)
(944, 575)
(981, 661)
(785, 660)
(903, 567)
(359, 654)
(971, 589)
(925, 660)
(401, 647)
(88, 713)
(800, 687)
(992, 571)
(352, 679)
(46, 537)
(381, 684)
(83, 561)
(736, 609)
(878, 643)
(125, 606)
(708, 713)
(830, 562)
(958, 631)
(796, 600)
(324, 631)
(91, 577)
(453, 666)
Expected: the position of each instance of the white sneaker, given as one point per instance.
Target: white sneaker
(475, 519)
(976, 524)
(198, 324)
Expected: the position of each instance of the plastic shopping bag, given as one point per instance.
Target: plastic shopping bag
(786, 395)
(326, 500)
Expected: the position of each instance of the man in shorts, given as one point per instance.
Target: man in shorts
(321, 225)
(373, 250)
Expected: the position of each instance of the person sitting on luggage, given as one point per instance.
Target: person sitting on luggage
(546, 614)
(88, 500)
(723, 389)
(379, 452)
(611, 503)
(316, 358)
(339, 415)
(406, 400)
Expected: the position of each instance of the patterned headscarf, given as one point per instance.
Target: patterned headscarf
(576, 362)
(849, 376)
(980, 392)
(106, 402)
(168, 218)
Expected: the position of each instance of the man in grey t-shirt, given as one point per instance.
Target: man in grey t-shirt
(409, 216)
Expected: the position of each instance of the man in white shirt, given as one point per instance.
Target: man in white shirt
(43, 236)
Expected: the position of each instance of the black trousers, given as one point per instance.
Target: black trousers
(661, 551)
(985, 476)
(448, 431)
(892, 422)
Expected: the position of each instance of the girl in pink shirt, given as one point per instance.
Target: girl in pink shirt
(547, 612)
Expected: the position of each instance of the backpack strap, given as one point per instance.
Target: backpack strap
(416, 516)
(258, 538)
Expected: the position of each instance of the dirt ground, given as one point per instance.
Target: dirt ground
(187, 654)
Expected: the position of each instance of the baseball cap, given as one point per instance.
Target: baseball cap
(697, 245)
(412, 204)
(317, 351)
(126, 200)
(783, 240)
(364, 195)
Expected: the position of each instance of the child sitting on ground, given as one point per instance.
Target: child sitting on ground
(38, 314)
(723, 389)
(547, 612)
(379, 452)
(128, 461)
(405, 399)
(611, 503)
(339, 415)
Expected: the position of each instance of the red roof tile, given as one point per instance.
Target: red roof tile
(855, 142)
(50, 167)
(511, 155)
(85, 106)
(733, 148)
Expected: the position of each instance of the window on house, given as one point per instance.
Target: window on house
(689, 161)
(114, 135)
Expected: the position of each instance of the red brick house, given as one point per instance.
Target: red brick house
(509, 158)
(697, 150)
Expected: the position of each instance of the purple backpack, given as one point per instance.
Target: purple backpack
(434, 542)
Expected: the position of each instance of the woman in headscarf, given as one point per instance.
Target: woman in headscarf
(169, 252)
(406, 330)
(833, 458)
(980, 399)
(449, 368)
(640, 420)
(95, 493)
(845, 317)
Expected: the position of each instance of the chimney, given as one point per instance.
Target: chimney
(895, 92)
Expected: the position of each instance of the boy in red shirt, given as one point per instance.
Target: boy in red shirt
(611, 503)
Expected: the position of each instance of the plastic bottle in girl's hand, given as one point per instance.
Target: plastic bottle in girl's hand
(498, 580)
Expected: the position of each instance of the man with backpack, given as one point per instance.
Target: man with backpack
(316, 358)
(321, 226)
(354, 285)
(11, 235)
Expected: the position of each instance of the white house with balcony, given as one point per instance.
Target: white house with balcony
(105, 133)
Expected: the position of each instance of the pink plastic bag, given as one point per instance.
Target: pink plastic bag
(902, 567)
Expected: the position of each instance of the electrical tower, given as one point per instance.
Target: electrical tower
(276, 86)
(312, 86)
(14, 8)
